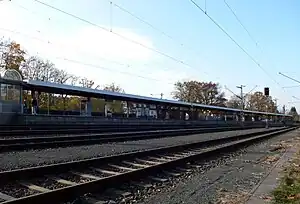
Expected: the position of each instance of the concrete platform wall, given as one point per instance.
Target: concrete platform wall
(88, 120)
(42, 119)
(10, 119)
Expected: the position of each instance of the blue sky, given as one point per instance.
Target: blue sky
(193, 39)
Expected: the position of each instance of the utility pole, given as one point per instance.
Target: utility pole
(242, 97)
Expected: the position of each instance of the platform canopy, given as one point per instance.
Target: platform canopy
(50, 87)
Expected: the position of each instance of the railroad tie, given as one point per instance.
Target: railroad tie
(180, 155)
(95, 201)
(99, 202)
(6, 197)
(135, 164)
(170, 157)
(158, 179)
(105, 171)
(121, 167)
(169, 173)
(89, 176)
(188, 152)
(148, 161)
(183, 169)
(195, 166)
(63, 181)
(197, 150)
(35, 187)
(159, 159)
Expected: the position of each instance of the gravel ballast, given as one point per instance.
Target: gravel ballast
(229, 181)
(21, 159)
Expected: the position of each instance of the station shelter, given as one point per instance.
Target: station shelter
(11, 91)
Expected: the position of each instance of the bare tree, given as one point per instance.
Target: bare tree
(62, 77)
(234, 102)
(84, 82)
(36, 69)
(73, 80)
(3, 49)
(114, 88)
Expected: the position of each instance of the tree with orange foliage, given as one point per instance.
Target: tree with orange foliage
(259, 102)
(12, 56)
(207, 93)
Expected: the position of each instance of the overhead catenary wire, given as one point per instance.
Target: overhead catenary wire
(48, 18)
(251, 37)
(169, 36)
(236, 43)
(157, 51)
(103, 27)
(130, 13)
(249, 34)
(83, 63)
(109, 69)
(287, 87)
(295, 80)
(74, 48)
(123, 9)
(232, 39)
(244, 27)
(296, 98)
(111, 19)
(143, 21)
(111, 16)
(240, 22)
(116, 34)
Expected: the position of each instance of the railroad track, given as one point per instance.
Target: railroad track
(81, 129)
(62, 182)
(15, 144)
(88, 128)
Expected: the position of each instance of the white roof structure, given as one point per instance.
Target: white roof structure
(10, 74)
(131, 97)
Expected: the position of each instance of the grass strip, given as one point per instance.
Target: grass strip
(288, 190)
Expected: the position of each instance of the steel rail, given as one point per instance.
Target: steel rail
(26, 143)
(88, 128)
(100, 129)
